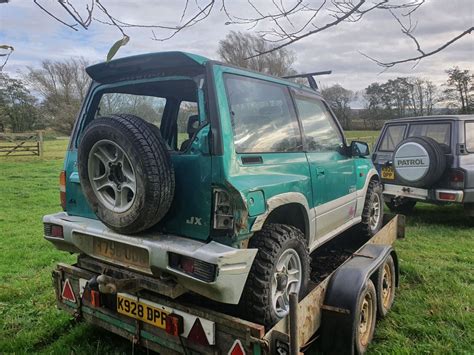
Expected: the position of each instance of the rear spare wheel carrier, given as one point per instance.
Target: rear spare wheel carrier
(126, 172)
(419, 161)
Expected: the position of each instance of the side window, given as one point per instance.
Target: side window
(262, 116)
(150, 108)
(393, 136)
(470, 137)
(320, 131)
(440, 132)
(187, 123)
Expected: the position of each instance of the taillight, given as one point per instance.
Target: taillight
(197, 268)
(456, 179)
(174, 324)
(223, 214)
(53, 230)
(447, 196)
(197, 334)
(62, 189)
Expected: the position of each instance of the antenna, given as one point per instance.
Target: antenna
(310, 77)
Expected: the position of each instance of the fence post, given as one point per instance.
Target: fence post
(40, 143)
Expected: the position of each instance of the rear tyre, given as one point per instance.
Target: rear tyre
(401, 205)
(125, 172)
(372, 215)
(365, 318)
(386, 285)
(282, 266)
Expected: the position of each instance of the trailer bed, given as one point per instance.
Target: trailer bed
(209, 327)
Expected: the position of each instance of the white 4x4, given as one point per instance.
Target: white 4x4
(427, 159)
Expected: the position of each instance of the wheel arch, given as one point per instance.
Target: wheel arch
(289, 208)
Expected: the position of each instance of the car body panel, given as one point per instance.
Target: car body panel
(457, 158)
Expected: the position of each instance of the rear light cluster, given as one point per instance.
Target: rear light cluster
(53, 230)
(223, 214)
(197, 268)
(447, 196)
(456, 179)
(62, 189)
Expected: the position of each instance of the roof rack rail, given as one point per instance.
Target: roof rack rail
(310, 77)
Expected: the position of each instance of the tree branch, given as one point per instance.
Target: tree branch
(421, 56)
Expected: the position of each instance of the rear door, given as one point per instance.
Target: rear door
(332, 172)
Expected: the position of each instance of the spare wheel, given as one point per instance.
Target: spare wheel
(419, 161)
(125, 172)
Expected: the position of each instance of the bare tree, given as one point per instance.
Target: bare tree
(237, 47)
(285, 21)
(423, 96)
(63, 86)
(339, 99)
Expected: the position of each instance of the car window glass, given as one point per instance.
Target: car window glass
(187, 122)
(470, 136)
(440, 132)
(262, 116)
(320, 130)
(393, 136)
(149, 108)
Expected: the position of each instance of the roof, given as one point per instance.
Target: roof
(435, 117)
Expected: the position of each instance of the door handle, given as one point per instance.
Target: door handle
(320, 172)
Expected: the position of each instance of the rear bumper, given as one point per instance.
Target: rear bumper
(233, 265)
(455, 196)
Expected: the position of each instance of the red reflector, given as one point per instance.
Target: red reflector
(174, 324)
(197, 334)
(68, 293)
(187, 264)
(446, 196)
(237, 348)
(57, 231)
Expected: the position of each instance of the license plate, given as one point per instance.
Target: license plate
(388, 173)
(127, 255)
(141, 310)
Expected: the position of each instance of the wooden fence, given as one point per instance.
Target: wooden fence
(21, 144)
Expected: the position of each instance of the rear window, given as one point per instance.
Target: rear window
(440, 132)
(393, 136)
(149, 108)
(470, 137)
(263, 119)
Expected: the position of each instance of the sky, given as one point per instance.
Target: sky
(36, 37)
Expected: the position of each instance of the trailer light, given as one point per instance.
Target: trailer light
(53, 230)
(62, 189)
(197, 268)
(174, 324)
(447, 196)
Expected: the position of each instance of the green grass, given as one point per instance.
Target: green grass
(433, 310)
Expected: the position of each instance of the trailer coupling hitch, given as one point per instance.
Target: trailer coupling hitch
(110, 285)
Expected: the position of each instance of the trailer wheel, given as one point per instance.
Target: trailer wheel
(365, 318)
(386, 284)
(282, 266)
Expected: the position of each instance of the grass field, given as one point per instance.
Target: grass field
(433, 311)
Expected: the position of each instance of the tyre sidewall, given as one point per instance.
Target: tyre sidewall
(359, 347)
(114, 220)
(381, 310)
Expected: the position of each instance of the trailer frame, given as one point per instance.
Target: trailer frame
(327, 311)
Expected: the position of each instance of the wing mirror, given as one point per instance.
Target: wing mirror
(359, 149)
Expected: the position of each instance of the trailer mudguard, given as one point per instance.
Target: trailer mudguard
(338, 325)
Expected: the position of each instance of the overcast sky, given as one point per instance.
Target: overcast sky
(36, 37)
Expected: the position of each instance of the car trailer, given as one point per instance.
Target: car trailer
(338, 313)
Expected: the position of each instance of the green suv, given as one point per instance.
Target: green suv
(220, 178)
